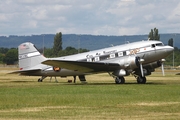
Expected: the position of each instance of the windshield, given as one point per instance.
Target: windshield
(159, 44)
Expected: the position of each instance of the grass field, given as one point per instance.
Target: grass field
(22, 97)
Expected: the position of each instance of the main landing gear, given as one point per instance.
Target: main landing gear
(119, 80)
(140, 79)
(81, 78)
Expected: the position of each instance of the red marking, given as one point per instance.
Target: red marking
(21, 68)
(22, 46)
(144, 48)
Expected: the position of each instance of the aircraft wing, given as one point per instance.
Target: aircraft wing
(83, 66)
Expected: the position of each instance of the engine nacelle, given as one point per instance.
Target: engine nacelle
(153, 65)
(148, 68)
(120, 72)
(130, 62)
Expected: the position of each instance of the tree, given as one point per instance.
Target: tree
(154, 35)
(1, 57)
(170, 42)
(11, 56)
(71, 50)
(57, 43)
(48, 52)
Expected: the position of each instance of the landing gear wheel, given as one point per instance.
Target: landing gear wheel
(141, 80)
(42, 78)
(39, 80)
(119, 80)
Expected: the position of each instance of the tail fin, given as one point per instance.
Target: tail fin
(29, 56)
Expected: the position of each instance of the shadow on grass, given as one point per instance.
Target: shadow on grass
(149, 83)
(22, 81)
(89, 84)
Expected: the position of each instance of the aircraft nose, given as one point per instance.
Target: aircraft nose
(169, 49)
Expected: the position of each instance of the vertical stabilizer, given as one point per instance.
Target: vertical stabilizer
(29, 56)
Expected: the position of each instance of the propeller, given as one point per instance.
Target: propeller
(162, 66)
(141, 67)
(139, 62)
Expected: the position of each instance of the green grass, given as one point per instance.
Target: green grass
(24, 98)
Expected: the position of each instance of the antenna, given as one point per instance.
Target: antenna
(126, 42)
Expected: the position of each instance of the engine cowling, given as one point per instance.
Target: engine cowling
(148, 68)
(153, 65)
(120, 72)
(130, 62)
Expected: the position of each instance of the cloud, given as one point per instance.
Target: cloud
(100, 17)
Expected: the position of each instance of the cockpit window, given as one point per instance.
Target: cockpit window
(153, 45)
(159, 44)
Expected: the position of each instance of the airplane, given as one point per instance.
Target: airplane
(138, 58)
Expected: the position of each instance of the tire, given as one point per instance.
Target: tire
(39, 80)
(141, 80)
(119, 80)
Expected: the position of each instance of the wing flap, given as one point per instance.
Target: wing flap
(83, 66)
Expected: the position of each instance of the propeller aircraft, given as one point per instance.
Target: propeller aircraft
(138, 58)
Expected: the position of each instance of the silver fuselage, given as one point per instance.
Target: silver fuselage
(150, 51)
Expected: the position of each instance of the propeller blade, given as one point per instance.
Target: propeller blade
(142, 73)
(141, 67)
(139, 62)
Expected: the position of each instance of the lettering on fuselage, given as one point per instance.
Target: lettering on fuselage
(134, 51)
(109, 52)
(114, 54)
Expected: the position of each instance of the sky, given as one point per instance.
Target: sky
(95, 17)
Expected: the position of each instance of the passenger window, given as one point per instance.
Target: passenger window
(120, 54)
(96, 59)
(112, 55)
(89, 59)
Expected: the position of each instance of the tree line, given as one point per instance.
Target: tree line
(10, 56)
(57, 50)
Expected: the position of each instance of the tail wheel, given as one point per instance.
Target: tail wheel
(39, 80)
(42, 78)
(119, 80)
(141, 80)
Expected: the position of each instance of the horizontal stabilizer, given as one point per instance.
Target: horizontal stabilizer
(83, 66)
(25, 71)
